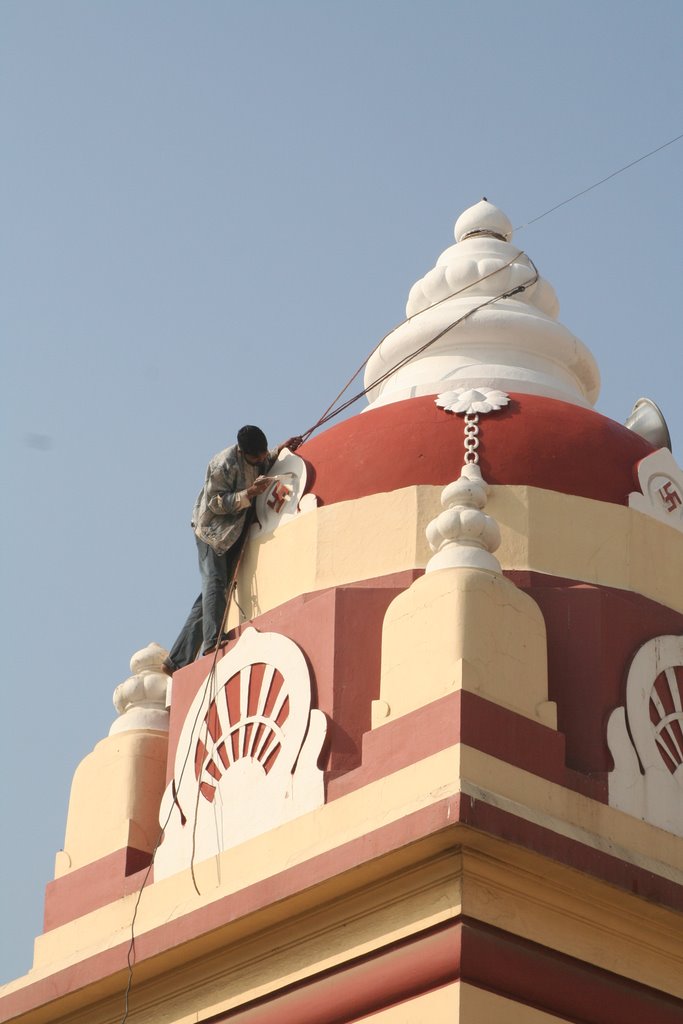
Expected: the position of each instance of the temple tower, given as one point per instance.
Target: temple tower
(435, 776)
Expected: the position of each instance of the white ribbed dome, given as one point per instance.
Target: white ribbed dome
(496, 322)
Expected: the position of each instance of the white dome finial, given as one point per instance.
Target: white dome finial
(482, 317)
(141, 699)
(483, 219)
(463, 535)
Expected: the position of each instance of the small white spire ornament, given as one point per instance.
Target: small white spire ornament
(463, 535)
(141, 700)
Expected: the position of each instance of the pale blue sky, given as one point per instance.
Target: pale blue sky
(211, 213)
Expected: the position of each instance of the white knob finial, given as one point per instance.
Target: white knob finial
(141, 699)
(483, 219)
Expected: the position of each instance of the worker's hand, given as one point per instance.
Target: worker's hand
(292, 443)
(260, 484)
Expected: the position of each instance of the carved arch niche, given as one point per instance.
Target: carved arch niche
(247, 756)
(645, 737)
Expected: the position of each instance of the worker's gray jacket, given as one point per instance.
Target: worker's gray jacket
(221, 506)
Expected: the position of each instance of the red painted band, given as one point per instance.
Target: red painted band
(540, 442)
(439, 821)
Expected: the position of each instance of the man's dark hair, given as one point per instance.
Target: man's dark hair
(252, 440)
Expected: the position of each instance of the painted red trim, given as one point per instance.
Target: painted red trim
(428, 822)
(474, 953)
(612, 624)
(346, 675)
(395, 973)
(532, 974)
(94, 885)
(570, 852)
(464, 717)
(540, 442)
(593, 633)
(458, 717)
(477, 954)
(438, 822)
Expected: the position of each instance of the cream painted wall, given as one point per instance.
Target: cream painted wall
(440, 1006)
(543, 531)
(457, 870)
(115, 797)
(467, 629)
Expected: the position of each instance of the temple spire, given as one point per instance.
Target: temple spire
(494, 321)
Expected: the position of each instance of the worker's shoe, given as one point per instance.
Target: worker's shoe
(222, 642)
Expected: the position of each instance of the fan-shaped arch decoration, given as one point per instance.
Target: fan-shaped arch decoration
(247, 755)
(645, 737)
(247, 719)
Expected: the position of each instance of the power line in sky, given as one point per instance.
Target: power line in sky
(601, 182)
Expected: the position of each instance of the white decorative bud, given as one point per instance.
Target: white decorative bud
(141, 699)
(149, 659)
(483, 219)
(463, 535)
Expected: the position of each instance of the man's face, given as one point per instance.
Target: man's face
(254, 460)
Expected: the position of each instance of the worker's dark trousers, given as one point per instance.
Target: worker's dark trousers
(200, 631)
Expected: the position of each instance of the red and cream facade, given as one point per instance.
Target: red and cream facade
(435, 776)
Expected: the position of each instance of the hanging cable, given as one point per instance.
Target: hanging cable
(211, 679)
(331, 412)
(208, 686)
(408, 319)
(328, 415)
(601, 182)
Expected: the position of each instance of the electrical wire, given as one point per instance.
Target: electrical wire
(131, 947)
(331, 412)
(408, 319)
(329, 415)
(208, 686)
(601, 182)
(211, 679)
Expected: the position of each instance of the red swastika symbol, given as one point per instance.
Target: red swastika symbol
(671, 499)
(278, 497)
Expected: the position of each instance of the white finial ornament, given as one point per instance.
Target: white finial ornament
(483, 219)
(141, 700)
(482, 317)
(464, 535)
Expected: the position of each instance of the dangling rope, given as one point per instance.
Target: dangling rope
(209, 690)
(333, 410)
(210, 684)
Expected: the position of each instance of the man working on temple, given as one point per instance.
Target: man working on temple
(234, 478)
